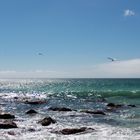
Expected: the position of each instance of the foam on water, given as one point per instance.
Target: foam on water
(77, 94)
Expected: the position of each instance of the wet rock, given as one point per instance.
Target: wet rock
(11, 133)
(69, 131)
(59, 109)
(132, 105)
(15, 98)
(112, 105)
(31, 130)
(31, 111)
(47, 121)
(94, 112)
(7, 124)
(35, 102)
(6, 116)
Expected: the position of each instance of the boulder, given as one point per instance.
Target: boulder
(112, 105)
(16, 98)
(31, 111)
(31, 130)
(6, 116)
(7, 124)
(59, 109)
(37, 102)
(47, 121)
(132, 105)
(94, 112)
(69, 131)
(11, 133)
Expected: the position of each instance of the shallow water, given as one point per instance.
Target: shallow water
(78, 94)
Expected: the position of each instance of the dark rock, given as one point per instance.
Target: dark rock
(11, 133)
(15, 98)
(94, 112)
(31, 112)
(114, 105)
(7, 124)
(31, 130)
(132, 105)
(47, 121)
(59, 109)
(6, 116)
(111, 105)
(35, 102)
(69, 131)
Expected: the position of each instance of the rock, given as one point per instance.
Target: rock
(59, 109)
(132, 105)
(31, 130)
(7, 124)
(94, 112)
(35, 102)
(69, 131)
(112, 105)
(6, 116)
(11, 133)
(47, 121)
(31, 111)
(15, 98)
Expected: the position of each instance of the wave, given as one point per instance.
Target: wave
(103, 94)
(83, 94)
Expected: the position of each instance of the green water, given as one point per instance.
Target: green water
(80, 94)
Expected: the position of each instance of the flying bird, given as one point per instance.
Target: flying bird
(40, 53)
(112, 59)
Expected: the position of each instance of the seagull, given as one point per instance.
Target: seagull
(112, 59)
(40, 53)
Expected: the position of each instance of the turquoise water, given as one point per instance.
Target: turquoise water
(118, 90)
(80, 94)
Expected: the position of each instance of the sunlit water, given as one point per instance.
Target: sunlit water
(77, 94)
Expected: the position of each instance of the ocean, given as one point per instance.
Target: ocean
(120, 122)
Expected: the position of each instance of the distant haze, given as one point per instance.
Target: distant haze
(117, 69)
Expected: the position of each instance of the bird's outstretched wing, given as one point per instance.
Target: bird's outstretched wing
(112, 59)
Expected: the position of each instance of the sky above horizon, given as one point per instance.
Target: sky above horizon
(75, 38)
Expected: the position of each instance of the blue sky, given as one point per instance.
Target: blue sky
(75, 37)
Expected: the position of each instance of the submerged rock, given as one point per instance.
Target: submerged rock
(35, 102)
(47, 121)
(69, 131)
(114, 105)
(31, 130)
(7, 124)
(101, 100)
(94, 112)
(11, 133)
(132, 105)
(31, 111)
(16, 98)
(6, 116)
(59, 109)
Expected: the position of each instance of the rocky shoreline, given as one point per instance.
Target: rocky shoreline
(9, 121)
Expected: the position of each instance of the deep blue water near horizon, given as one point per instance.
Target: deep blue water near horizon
(79, 94)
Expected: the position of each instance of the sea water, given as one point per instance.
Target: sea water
(77, 94)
